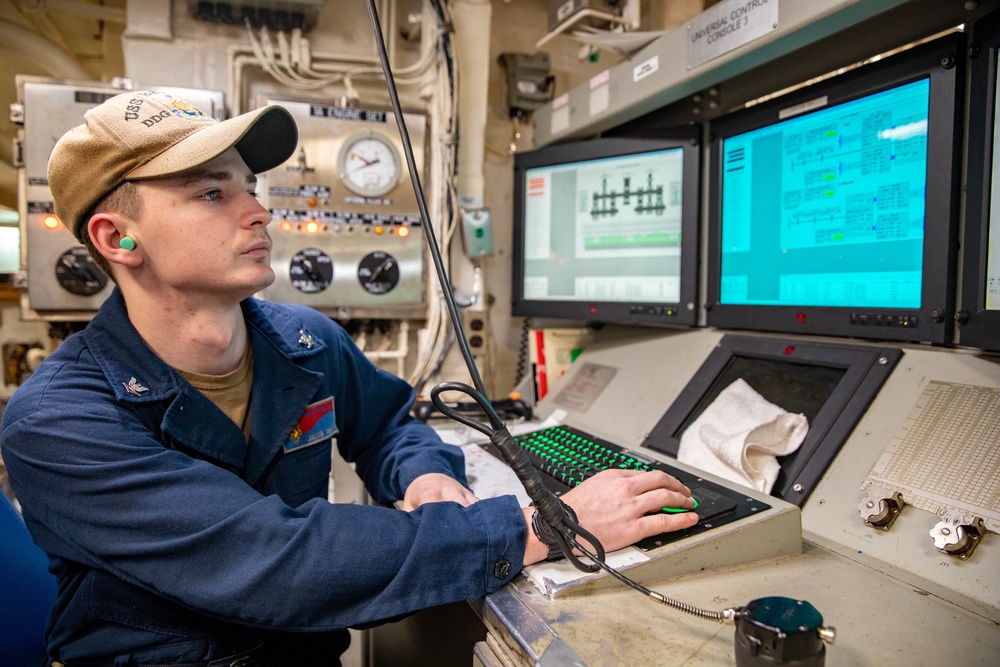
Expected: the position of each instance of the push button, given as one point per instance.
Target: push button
(501, 570)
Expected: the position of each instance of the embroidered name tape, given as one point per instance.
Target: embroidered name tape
(317, 424)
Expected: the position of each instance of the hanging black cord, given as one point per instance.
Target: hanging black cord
(552, 510)
(432, 242)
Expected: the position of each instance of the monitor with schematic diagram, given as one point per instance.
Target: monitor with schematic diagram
(833, 208)
(605, 230)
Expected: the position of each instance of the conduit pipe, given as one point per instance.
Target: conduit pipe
(87, 10)
(471, 19)
(41, 52)
(399, 354)
(241, 56)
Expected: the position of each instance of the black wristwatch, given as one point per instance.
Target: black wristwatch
(546, 534)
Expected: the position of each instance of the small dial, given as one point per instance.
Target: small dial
(378, 272)
(369, 164)
(311, 270)
(77, 272)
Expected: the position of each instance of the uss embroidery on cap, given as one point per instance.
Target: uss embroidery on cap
(317, 424)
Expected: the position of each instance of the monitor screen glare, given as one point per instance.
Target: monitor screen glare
(826, 208)
(605, 229)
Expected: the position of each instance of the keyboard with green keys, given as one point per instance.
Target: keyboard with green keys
(566, 456)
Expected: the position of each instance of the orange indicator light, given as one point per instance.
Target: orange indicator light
(286, 225)
(379, 230)
(51, 222)
(403, 232)
(312, 226)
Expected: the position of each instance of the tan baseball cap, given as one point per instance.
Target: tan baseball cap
(144, 134)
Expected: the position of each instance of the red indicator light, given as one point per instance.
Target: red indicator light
(801, 318)
(789, 349)
(593, 310)
(403, 232)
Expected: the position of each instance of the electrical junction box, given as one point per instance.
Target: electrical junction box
(62, 282)
(477, 232)
(281, 15)
(561, 11)
(529, 82)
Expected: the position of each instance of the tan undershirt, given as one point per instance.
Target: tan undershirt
(229, 392)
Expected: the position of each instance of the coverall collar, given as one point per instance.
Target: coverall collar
(140, 377)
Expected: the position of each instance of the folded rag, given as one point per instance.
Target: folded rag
(740, 435)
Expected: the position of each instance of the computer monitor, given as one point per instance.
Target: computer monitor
(979, 314)
(833, 208)
(605, 230)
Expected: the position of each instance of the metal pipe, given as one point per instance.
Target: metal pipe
(43, 53)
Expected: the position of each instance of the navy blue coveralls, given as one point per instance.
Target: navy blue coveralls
(173, 540)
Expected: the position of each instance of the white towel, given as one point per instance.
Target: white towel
(740, 435)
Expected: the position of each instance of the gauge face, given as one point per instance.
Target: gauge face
(369, 164)
(311, 270)
(77, 272)
(378, 272)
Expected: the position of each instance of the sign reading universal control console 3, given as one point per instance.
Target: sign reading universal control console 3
(728, 25)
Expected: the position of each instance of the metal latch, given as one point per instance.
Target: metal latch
(881, 507)
(958, 533)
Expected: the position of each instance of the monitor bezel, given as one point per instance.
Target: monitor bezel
(979, 327)
(937, 60)
(683, 312)
(866, 368)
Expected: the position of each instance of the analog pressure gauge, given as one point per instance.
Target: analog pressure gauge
(369, 164)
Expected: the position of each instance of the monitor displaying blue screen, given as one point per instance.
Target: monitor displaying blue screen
(834, 208)
(605, 230)
(826, 208)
